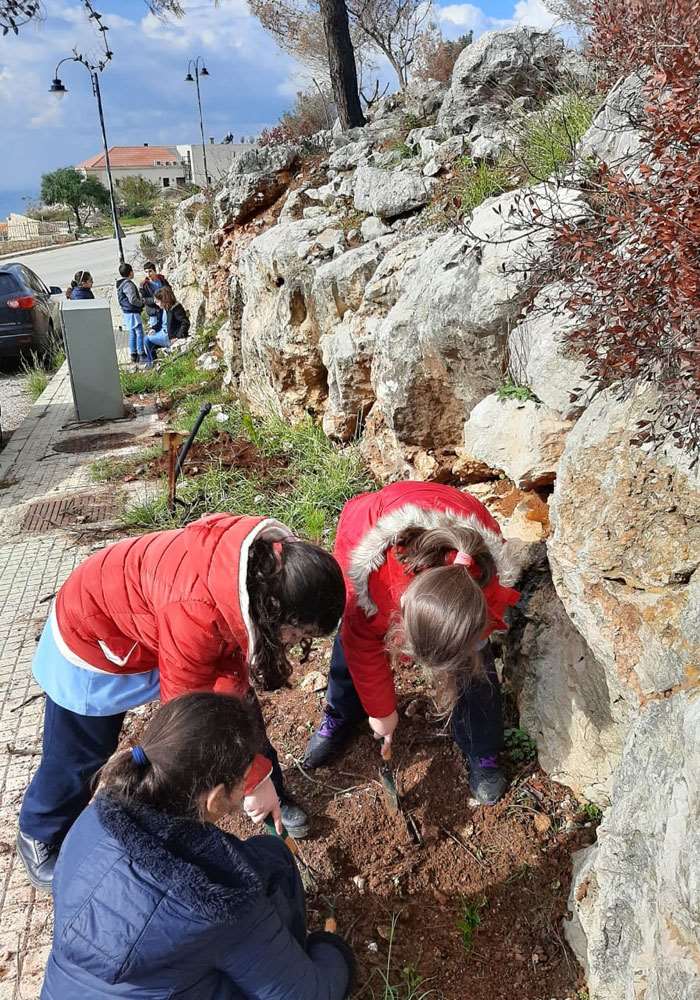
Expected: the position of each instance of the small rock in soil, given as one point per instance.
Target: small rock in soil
(360, 882)
(315, 680)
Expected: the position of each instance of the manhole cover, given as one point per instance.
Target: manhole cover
(70, 511)
(93, 442)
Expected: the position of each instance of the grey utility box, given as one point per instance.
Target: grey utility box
(92, 359)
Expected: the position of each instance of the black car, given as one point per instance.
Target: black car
(29, 316)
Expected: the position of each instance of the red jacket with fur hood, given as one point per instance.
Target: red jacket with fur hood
(175, 601)
(376, 580)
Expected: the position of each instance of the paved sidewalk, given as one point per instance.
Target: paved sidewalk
(46, 496)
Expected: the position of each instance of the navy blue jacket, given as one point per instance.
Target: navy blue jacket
(152, 906)
(81, 293)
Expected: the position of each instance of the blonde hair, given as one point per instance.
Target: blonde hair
(444, 611)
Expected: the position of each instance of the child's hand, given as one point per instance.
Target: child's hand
(383, 729)
(263, 802)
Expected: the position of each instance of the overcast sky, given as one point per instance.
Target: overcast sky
(144, 93)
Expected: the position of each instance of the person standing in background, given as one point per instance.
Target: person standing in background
(152, 283)
(131, 305)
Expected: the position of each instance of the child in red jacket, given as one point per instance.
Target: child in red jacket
(424, 568)
(201, 608)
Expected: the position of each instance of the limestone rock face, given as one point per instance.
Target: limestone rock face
(388, 193)
(440, 349)
(575, 712)
(257, 178)
(501, 65)
(636, 894)
(625, 549)
(614, 137)
(282, 369)
(538, 355)
(523, 438)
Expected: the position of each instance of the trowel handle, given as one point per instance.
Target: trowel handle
(290, 842)
(331, 925)
(386, 751)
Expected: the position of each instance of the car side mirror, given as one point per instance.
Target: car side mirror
(55, 290)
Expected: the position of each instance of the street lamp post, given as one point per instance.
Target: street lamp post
(58, 89)
(194, 64)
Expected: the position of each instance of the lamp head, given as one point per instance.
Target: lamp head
(189, 78)
(57, 88)
(204, 71)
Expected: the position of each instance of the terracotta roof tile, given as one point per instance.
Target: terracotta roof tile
(132, 156)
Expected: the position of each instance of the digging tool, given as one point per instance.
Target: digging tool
(386, 776)
(308, 876)
(205, 410)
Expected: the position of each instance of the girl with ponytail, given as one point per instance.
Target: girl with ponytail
(211, 607)
(152, 899)
(427, 575)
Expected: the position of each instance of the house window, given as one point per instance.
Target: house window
(180, 181)
(166, 182)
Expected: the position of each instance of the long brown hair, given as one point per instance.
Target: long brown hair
(165, 297)
(191, 745)
(443, 612)
(289, 583)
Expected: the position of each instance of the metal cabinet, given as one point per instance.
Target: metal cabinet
(92, 359)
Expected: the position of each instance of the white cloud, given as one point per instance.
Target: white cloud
(534, 14)
(468, 17)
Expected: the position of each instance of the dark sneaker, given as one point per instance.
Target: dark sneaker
(134, 358)
(295, 820)
(486, 779)
(143, 358)
(38, 859)
(328, 740)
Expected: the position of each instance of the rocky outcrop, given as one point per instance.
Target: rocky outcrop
(388, 193)
(257, 179)
(614, 136)
(635, 895)
(521, 437)
(498, 68)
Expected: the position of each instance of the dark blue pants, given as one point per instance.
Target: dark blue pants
(75, 747)
(477, 719)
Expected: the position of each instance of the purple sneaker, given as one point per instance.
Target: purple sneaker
(486, 779)
(328, 740)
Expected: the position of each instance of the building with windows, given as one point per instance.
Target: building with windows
(162, 165)
(165, 166)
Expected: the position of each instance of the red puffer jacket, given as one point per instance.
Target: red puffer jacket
(172, 600)
(376, 580)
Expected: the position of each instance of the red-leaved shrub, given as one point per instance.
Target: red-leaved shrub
(634, 270)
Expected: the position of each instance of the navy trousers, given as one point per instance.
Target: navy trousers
(477, 719)
(75, 747)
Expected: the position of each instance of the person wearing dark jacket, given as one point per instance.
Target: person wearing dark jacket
(131, 305)
(152, 900)
(173, 323)
(152, 283)
(80, 287)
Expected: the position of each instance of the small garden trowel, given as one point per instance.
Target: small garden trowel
(386, 776)
(308, 875)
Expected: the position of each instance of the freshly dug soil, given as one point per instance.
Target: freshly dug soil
(510, 863)
(223, 451)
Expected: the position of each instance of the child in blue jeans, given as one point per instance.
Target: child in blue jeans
(131, 305)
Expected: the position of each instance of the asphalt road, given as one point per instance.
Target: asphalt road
(57, 266)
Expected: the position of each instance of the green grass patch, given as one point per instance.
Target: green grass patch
(109, 468)
(511, 390)
(306, 490)
(474, 183)
(176, 373)
(208, 254)
(549, 137)
(469, 922)
(520, 746)
(38, 370)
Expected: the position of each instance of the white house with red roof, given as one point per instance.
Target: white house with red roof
(166, 166)
(162, 165)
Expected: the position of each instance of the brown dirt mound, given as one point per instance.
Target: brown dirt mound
(223, 451)
(512, 862)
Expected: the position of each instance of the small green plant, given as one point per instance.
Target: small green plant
(549, 137)
(591, 812)
(401, 149)
(208, 254)
(206, 216)
(511, 390)
(175, 374)
(473, 183)
(37, 378)
(410, 984)
(470, 921)
(520, 747)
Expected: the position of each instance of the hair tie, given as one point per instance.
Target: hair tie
(139, 756)
(464, 559)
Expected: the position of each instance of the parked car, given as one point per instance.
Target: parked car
(30, 318)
